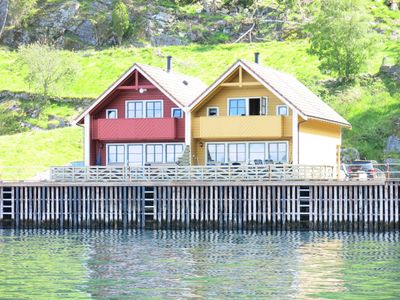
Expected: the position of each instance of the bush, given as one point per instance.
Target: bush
(341, 37)
(120, 20)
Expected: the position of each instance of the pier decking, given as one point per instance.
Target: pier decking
(314, 205)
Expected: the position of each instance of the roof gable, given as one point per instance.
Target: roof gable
(180, 89)
(287, 88)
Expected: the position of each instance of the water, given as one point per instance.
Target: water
(180, 265)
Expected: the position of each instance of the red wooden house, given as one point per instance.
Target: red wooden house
(141, 118)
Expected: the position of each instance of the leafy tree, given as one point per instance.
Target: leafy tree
(120, 19)
(20, 11)
(341, 37)
(46, 67)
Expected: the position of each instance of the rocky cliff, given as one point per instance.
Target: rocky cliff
(87, 23)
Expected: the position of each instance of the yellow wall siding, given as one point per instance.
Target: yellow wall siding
(320, 128)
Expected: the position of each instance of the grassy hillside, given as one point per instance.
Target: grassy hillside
(372, 104)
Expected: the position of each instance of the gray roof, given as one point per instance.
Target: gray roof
(296, 93)
(184, 89)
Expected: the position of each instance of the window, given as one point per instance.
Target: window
(254, 106)
(264, 106)
(135, 154)
(278, 152)
(176, 113)
(144, 109)
(154, 153)
(215, 153)
(134, 109)
(256, 152)
(237, 107)
(282, 110)
(173, 153)
(237, 152)
(116, 154)
(153, 109)
(212, 111)
(112, 113)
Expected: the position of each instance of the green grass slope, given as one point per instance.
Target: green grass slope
(371, 104)
(42, 148)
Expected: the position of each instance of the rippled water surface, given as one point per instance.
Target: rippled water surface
(173, 264)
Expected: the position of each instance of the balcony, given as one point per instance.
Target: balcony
(160, 129)
(227, 127)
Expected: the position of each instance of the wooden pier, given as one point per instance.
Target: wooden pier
(320, 205)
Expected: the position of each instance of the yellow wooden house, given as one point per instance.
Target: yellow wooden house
(255, 115)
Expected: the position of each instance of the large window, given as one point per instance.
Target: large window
(154, 153)
(237, 152)
(134, 109)
(237, 107)
(144, 109)
(278, 152)
(256, 152)
(246, 152)
(153, 109)
(135, 154)
(116, 154)
(215, 153)
(173, 152)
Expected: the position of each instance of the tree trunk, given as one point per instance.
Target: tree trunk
(3, 14)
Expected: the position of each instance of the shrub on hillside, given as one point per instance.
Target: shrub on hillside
(120, 20)
(342, 37)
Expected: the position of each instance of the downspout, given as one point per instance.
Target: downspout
(298, 139)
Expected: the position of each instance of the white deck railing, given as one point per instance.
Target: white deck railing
(192, 173)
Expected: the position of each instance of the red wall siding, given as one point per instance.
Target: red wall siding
(117, 99)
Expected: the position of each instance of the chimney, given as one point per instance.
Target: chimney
(169, 63)
(256, 56)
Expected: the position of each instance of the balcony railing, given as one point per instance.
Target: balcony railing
(193, 173)
(238, 127)
(138, 129)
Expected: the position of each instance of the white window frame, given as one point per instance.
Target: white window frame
(127, 154)
(247, 100)
(107, 153)
(155, 153)
(134, 101)
(212, 107)
(175, 153)
(144, 108)
(266, 149)
(146, 112)
(144, 152)
(172, 112)
(280, 106)
(112, 110)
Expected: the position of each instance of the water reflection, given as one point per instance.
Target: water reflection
(184, 264)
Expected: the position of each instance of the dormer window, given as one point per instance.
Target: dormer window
(282, 110)
(112, 113)
(176, 113)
